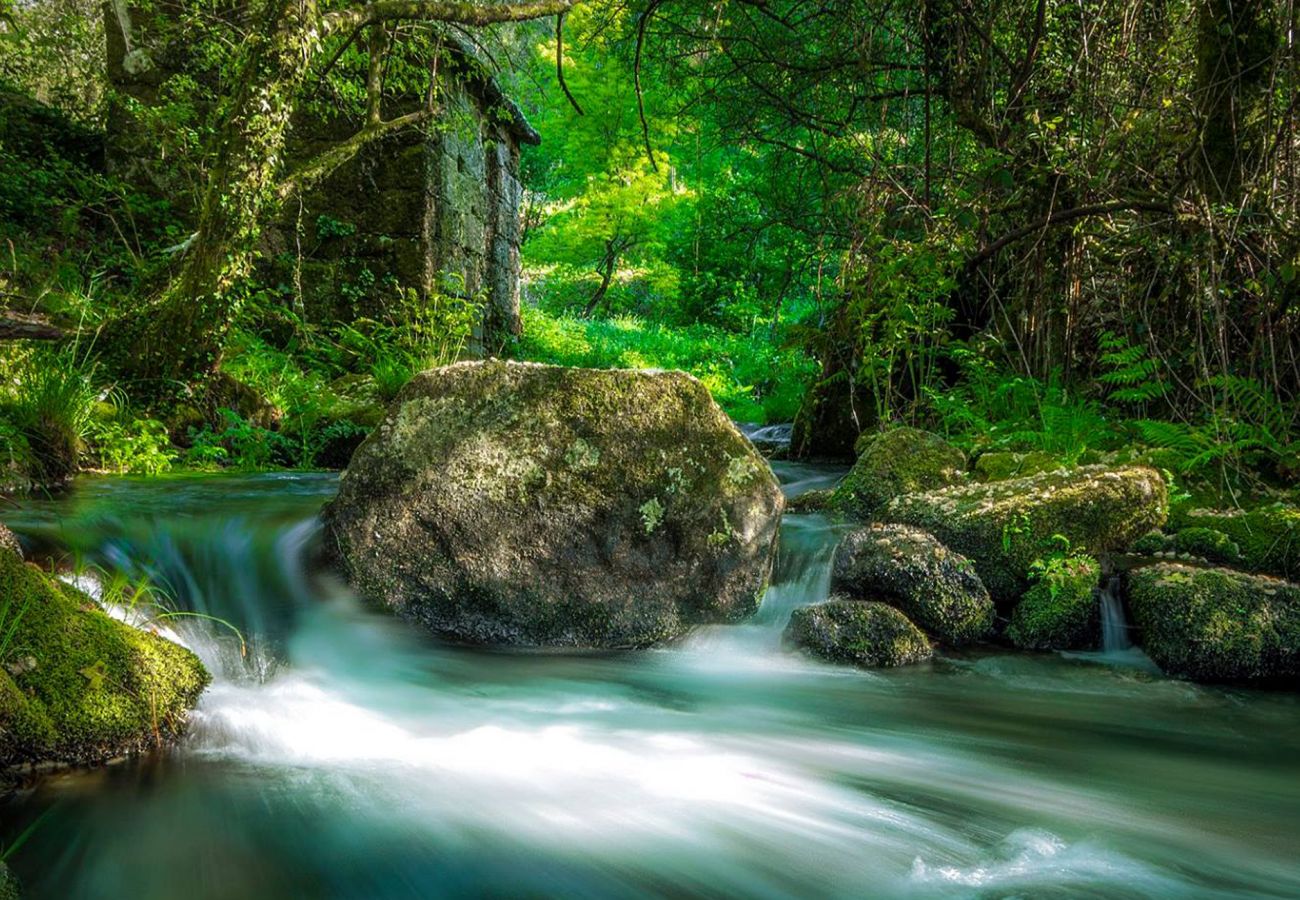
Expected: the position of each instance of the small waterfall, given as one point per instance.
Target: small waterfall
(1114, 625)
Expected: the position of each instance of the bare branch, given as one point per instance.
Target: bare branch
(559, 62)
(1060, 217)
(636, 78)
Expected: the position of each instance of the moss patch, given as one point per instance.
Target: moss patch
(1267, 536)
(1005, 526)
(1217, 625)
(8, 884)
(861, 632)
(896, 462)
(999, 465)
(77, 686)
(1060, 611)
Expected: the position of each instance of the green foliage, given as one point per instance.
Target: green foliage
(47, 402)
(751, 379)
(134, 446)
(1059, 612)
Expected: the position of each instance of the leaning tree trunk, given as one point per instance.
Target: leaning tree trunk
(183, 334)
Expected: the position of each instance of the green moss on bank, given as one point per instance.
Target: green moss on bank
(78, 686)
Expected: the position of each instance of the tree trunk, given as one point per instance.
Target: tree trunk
(1236, 54)
(607, 267)
(183, 334)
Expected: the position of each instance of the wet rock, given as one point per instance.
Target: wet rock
(936, 588)
(79, 687)
(1005, 526)
(861, 632)
(515, 503)
(1218, 625)
(896, 462)
(1060, 611)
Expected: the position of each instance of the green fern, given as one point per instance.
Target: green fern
(1130, 370)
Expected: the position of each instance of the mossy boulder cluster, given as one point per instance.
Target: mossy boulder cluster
(1218, 625)
(937, 588)
(1004, 527)
(1263, 539)
(77, 686)
(514, 503)
(864, 633)
(896, 462)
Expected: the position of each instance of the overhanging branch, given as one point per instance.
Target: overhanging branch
(1060, 217)
(324, 163)
(466, 13)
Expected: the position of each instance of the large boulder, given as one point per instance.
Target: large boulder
(861, 632)
(1060, 612)
(1217, 625)
(936, 588)
(898, 461)
(516, 503)
(77, 686)
(1005, 526)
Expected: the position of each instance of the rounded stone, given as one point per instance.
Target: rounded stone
(516, 503)
(864, 633)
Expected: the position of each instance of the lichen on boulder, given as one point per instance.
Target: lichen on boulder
(1218, 625)
(864, 633)
(77, 686)
(937, 588)
(1005, 526)
(9, 542)
(517, 503)
(1060, 611)
(894, 462)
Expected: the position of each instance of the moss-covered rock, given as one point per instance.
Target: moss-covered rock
(77, 686)
(8, 884)
(1267, 536)
(810, 501)
(999, 465)
(1005, 526)
(936, 588)
(1217, 625)
(1208, 544)
(1060, 611)
(1153, 542)
(862, 632)
(536, 505)
(896, 462)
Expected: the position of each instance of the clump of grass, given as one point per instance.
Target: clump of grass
(48, 405)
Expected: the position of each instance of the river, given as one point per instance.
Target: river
(348, 755)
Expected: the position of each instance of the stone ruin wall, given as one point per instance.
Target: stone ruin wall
(433, 212)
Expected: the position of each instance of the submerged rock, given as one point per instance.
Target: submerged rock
(79, 687)
(1217, 625)
(896, 462)
(516, 503)
(1060, 611)
(1005, 526)
(862, 632)
(937, 588)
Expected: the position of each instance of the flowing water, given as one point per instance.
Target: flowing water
(349, 755)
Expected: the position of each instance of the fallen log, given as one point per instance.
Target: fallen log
(17, 326)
